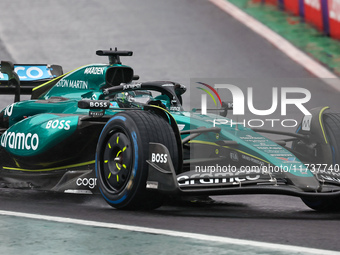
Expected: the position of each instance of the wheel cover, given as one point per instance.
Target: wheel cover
(117, 162)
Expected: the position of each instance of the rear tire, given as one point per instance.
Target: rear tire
(122, 151)
(332, 128)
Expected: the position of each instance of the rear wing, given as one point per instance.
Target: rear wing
(20, 79)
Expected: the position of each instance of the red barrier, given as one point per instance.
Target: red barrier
(292, 6)
(313, 13)
(334, 18)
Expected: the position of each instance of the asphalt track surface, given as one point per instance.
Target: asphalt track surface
(172, 40)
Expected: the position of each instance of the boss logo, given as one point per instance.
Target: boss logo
(94, 104)
(60, 124)
(159, 158)
(99, 104)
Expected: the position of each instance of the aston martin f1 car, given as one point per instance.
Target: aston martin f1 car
(97, 129)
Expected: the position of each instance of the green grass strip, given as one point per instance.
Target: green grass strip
(304, 36)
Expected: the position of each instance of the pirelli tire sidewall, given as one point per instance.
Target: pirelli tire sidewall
(136, 129)
(123, 124)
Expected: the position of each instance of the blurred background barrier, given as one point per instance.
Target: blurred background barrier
(334, 18)
(313, 13)
(322, 14)
(293, 6)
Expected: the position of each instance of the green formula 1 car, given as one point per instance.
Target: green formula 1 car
(98, 130)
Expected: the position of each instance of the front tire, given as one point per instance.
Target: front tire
(122, 151)
(332, 128)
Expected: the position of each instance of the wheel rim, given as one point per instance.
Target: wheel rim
(117, 162)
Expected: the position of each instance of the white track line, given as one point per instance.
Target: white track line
(201, 237)
(282, 44)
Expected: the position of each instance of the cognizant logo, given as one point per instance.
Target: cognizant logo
(20, 141)
(239, 103)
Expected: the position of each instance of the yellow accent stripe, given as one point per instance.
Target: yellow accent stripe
(119, 152)
(124, 165)
(59, 77)
(50, 169)
(117, 178)
(109, 145)
(117, 139)
(106, 161)
(124, 148)
(17, 164)
(165, 110)
(320, 121)
(109, 176)
(215, 144)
